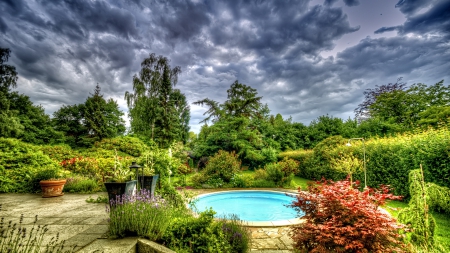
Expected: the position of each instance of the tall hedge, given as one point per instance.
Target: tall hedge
(388, 160)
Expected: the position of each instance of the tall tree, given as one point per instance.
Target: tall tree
(363, 111)
(101, 118)
(154, 105)
(9, 124)
(91, 121)
(19, 118)
(242, 102)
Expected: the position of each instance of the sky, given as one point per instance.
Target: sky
(306, 58)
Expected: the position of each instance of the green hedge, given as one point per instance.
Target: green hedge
(388, 160)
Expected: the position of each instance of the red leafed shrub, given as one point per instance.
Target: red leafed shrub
(340, 218)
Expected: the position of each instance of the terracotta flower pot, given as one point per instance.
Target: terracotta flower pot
(52, 188)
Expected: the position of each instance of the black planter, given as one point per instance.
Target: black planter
(118, 189)
(148, 183)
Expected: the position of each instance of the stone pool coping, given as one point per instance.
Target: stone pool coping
(278, 223)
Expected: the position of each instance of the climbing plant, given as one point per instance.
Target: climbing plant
(417, 213)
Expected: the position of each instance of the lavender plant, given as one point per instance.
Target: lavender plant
(15, 238)
(141, 214)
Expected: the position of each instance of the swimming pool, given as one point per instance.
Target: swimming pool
(255, 207)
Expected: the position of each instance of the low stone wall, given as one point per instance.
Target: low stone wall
(146, 246)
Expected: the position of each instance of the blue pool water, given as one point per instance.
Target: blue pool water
(249, 205)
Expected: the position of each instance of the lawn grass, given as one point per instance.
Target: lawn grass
(442, 232)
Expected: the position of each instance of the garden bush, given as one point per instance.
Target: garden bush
(282, 172)
(131, 146)
(204, 234)
(19, 163)
(340, 218)
(417, 215)
(223, 165)
(141, 215)
(81, 184)
(242, 181)
(60, 153)
(388, 160)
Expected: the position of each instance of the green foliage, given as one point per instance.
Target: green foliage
(94, 120)
(59, 153)
(81, 184)
(242, 181)
(99, 199)
(274, 173)
(157, 111)
(131, 146)
(101, 118)
(231, 134)
(280, 173)
(404, 108)
(348, 164)
(388, 160)
(19, 164)
(223, 165)
(417, 213)
(439, 198)
(203, 234)
(19, 118)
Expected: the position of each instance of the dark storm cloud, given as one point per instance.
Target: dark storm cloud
(411, 7)
(351, 2)
(62, 49)
(330, 2)
(423, 17)
(275, 27)
(386, 29)
(3, 26)
(77, 19)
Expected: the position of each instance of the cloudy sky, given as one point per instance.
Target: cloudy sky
(307, 58)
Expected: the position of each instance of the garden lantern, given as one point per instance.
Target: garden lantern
(136, 166)
(364, 150)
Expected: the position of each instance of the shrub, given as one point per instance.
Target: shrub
(260, 174)
(198, 179)
(141, 215)
(242, 181)
(417, 214)
(19, 163)
(262, 183)
(274, 173)
(203, 234)
(224, 165)
(81, 184)
(289, 167)
(270, 155)
(128, 145)
(60, 153)
(281, 173)
(340, 218)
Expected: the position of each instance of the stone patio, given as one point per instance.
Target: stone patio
(84, 225)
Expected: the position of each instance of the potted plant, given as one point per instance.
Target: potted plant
(148, 179)
(119, 181)
(51, 182)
